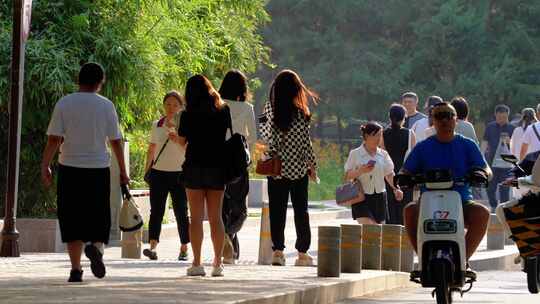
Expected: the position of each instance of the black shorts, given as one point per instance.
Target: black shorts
(83, 204)
(375, 207)
(198, 178)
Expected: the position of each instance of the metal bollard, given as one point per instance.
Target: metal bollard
(132, 244)
(329, 252)
(265, 239)
(351, 248)
(407, 252)
(371, 246)
(391, 247)
(495, 234)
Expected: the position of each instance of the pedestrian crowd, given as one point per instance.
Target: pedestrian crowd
(185, 160)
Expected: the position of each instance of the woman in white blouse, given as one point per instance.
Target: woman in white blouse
(371, 165)
(234, 91)
(528, 117)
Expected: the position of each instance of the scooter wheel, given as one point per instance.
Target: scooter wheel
(532, 267)
(442, 292)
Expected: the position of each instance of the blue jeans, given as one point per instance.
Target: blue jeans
(499, 175)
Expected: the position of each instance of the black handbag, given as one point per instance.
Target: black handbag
(237, 158)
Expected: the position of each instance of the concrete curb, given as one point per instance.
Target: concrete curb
(334, 290)
(496, 259)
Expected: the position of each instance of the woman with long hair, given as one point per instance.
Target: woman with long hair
(371, 165)
(397, 141)
(528, 117)
(234, 91)
(164, 160)
(288, 136)
(202, 130)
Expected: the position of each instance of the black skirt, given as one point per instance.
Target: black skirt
(198, 178)
(374, 207)
(83, 204)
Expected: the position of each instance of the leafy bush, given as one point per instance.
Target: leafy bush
(147, 48)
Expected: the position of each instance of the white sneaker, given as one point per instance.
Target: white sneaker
(217, 271)
(196, 271)
(278, 259)
(303, 259)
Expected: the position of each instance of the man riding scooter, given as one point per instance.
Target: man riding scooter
(462, 157)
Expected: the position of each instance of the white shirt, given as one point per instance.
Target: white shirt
(419, 129)
(531, 139)
(243, 120)
(86, 121)
(516, 141)
(372, 182)
(173, 156)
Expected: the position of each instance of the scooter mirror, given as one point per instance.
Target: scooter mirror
(510, 158)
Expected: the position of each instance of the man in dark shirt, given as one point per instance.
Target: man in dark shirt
(410, 101)
(496, 142)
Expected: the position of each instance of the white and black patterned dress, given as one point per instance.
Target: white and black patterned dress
(294, 147)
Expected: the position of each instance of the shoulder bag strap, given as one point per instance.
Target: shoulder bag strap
(160, 124)
(536, 132)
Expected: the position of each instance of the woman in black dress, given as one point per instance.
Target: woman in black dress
(397, 141)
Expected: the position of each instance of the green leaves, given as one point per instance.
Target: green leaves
(147, 47)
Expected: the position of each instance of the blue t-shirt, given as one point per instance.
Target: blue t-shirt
(459, 156)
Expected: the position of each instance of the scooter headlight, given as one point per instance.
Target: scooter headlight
(440, 226)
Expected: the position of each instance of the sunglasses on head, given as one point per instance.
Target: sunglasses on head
(443, 115)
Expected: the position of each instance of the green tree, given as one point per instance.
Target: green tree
(147, 47)
(360, 55)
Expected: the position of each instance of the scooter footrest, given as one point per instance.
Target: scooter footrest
(470, 276)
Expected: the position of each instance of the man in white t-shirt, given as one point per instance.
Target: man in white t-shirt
(81, 125)
(421, 126)
(531, 137)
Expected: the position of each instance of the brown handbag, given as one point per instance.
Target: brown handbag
(271, 166)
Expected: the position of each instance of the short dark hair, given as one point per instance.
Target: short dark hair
(91, 73)
(502, 108)
(370, 128)
(462, 107)
(234, 86)
(409, 95)
(433, 100)
(397, 114)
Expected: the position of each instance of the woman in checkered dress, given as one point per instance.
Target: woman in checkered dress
(286, 131)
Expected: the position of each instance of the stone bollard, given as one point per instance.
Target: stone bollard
(495, 234)
(132, 244)
(329, 252)
(351, 248)
(407, 252)
(371, 246)
(265, 239)
(391, 247)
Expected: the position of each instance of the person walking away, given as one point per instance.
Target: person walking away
(464, 127)
(164, 160)
(528, 117)
(288, 136)
(81, 124)
(398, 142)
(203, 126)
(420, 128)
(496, 142)
(531, 138)
(234, 91)
(410, 101)
(371, 165)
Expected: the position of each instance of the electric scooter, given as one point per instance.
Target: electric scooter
(441, 234)
(523, 225)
